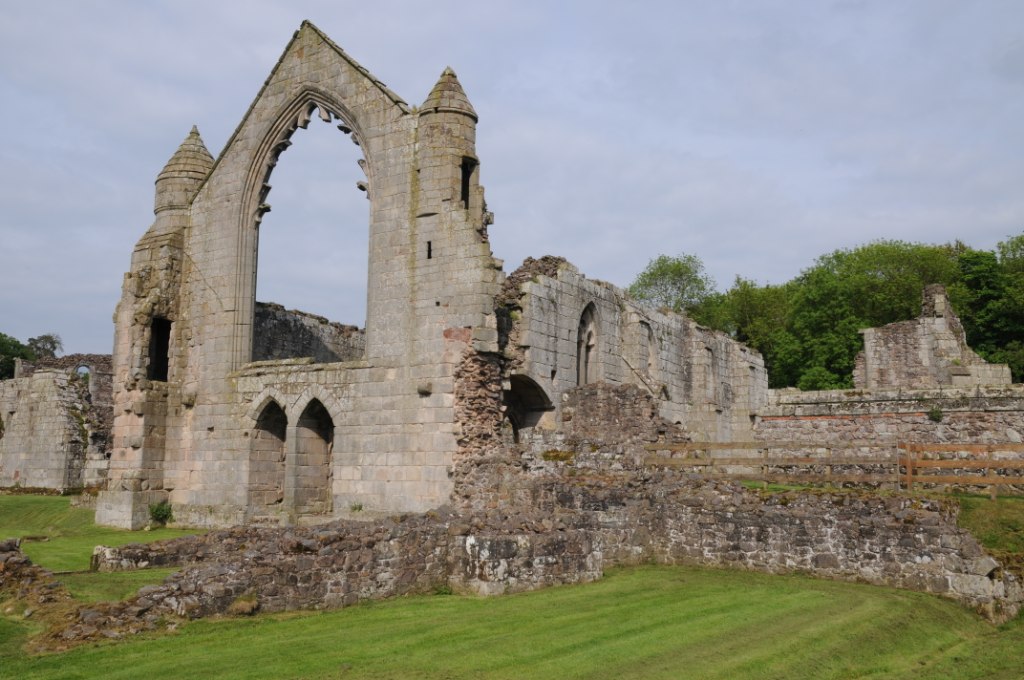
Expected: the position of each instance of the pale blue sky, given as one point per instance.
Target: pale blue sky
(756, 135)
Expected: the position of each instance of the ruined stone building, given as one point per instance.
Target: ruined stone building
(238, 411)
(929, 351)
(55, 420)
(511, 415)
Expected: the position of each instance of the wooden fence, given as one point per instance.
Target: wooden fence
(901, 464)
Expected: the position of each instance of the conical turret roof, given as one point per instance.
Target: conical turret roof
(190, 161)
(448, 96)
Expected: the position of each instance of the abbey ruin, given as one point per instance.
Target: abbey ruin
(538, 394)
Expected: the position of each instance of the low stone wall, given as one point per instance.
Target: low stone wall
(579, 526)
(338, 564)
(969, 416)
(896, 541)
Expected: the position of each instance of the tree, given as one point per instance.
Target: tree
(46, 345)
(679, 283)
(11, 349)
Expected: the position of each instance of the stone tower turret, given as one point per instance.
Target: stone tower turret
(177, 183)
(447, 148)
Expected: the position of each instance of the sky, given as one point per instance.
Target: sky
(757, 134)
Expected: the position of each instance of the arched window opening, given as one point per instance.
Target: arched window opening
(313, 247)
(586, 347)
(314, 444)
(1, 427)
(525, 402)
(266, 459)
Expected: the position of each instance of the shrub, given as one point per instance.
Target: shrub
(161, 513)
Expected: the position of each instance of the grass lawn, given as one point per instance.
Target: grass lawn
(70, 531)
(998, 524)
(647, 622)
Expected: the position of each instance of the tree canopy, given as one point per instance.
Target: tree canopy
(807, 329)
(678, 283)
(11, 349)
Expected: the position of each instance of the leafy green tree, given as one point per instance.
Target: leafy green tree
(11, 349)
(46, 345)
(678, 283)
(808, 329)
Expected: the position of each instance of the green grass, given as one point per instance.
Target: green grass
(70, 531)
(91, 586)
(998, 524)
(649, 622)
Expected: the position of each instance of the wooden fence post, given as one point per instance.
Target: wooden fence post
(764, 468)
(910, 469)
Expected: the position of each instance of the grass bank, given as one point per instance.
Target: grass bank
(60, 537)
(648, 622)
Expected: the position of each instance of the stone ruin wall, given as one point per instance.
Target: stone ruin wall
(286, 333)
(702, 380)
(55, 425)
(918, 382)
(573, 517)
(927, 352)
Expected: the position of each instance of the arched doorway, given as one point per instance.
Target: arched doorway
(266, 459)
(525, 403)
(311, 470)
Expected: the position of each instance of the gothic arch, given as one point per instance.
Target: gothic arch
(312, 472)
(262, 400)
(587, 346)
(267, 458)
(298, 113)
(318, 393)
(525, 402)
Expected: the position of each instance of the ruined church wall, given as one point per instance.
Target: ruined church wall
(281, 333)
(55, 431)
(43, 439)
(431, 284)
(927, 352)
(703, 380)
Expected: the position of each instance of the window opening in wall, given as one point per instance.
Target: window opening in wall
(313, 247)
(468, 165)
(159, 348)
(586, 348)
(430, 250)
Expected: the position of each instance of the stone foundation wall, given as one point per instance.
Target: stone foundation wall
(341, 563)
(576, 528)
(975, 415)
